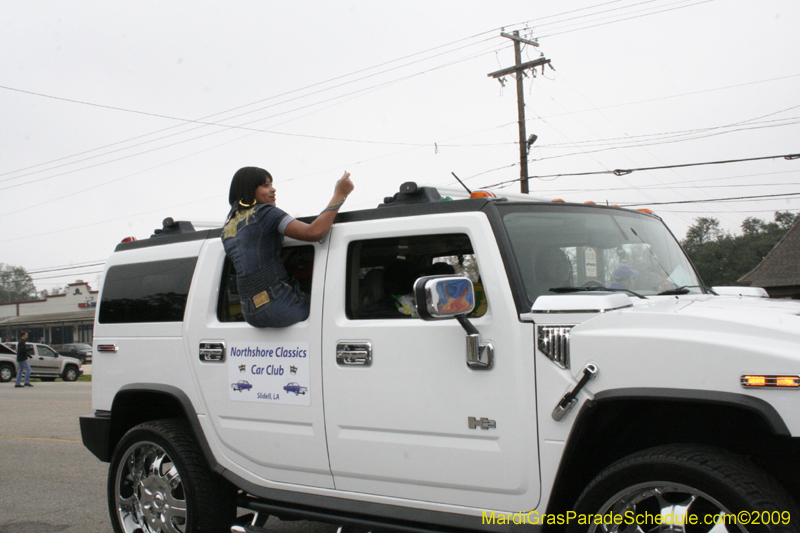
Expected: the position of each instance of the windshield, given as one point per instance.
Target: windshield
(569, 248)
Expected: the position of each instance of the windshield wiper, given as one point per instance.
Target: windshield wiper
(562, 290)
(684, 289)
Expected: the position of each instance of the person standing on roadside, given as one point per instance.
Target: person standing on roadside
(22, 359)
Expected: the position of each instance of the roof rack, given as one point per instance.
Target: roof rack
(173, 227)
(411, 193)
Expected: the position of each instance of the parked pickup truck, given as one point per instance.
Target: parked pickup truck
(469, 364)
(46, 363)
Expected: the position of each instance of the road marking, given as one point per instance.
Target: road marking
(40, 438)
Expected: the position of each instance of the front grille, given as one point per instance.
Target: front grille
(553, 341)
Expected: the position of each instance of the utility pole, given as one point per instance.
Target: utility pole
(518, 69)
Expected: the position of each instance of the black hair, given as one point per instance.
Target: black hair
(244, 185)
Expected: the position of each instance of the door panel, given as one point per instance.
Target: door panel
(400, 426)
(264, 397)
(45, 361)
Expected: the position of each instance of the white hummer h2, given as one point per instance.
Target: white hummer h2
(559, 396)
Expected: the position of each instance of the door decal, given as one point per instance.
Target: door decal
(275, 372)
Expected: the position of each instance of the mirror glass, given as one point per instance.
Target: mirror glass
(449, 296)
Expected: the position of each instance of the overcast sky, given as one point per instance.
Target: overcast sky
(115, 115)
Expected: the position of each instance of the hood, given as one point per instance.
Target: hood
(698, 326)
(778, 315)
(692, 342)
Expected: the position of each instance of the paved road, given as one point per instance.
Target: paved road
(49, 482)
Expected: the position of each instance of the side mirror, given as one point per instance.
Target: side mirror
(440, 297)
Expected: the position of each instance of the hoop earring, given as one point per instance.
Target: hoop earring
(241, 203)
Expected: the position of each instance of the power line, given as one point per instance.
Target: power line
(714, 200)
(71, 267)
(287, 93)
(39, 278)
(202, 122)
(680, 95)
(625, 172)
(556, 32)
(229, 127)
(705, 211)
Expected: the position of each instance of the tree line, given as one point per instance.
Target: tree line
(16, 285)
(721, 258)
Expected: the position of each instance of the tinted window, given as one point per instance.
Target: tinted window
(147, 292)
(563, 247)
(381, 273)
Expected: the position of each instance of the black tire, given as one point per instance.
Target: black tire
(7, 372)
(702, 481)
(70, 373)
(159, 482)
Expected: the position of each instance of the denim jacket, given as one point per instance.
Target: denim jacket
(252, 239)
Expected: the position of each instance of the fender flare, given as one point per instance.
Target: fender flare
(100, 431)
(760, 408)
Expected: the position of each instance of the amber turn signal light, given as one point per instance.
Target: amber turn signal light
(772, 381)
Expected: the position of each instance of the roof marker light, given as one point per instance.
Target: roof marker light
(590, 202)
(482, 194)
(648, 211)
(771, 381)
(556, 200)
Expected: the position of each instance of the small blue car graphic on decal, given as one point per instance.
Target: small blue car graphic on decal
(295, 388)
(241, 385)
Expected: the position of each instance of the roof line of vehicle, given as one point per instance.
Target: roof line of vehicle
(379, 213)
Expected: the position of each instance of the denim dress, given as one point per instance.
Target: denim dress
(253, 238)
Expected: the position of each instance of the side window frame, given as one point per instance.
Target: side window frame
(296, 259)
(153, 291)
(375, 267)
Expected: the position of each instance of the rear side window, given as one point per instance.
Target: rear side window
(147, 292)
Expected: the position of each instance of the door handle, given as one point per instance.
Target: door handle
(354, 353)
(212, 352)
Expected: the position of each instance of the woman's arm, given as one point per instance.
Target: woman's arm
(322, 224)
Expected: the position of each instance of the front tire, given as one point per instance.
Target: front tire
(7, 372)
(159, 482)
(681, 481)
(70, 374)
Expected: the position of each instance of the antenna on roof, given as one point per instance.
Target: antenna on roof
(461, 182)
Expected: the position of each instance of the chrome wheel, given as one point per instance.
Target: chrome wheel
(674, 503)
(159, 482)
(149, 491)
(684, 488)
